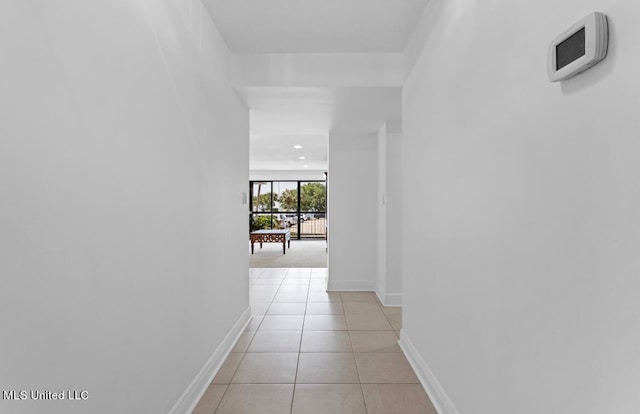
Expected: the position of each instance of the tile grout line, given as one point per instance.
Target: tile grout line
(230, 382)
(355, 362)
(295, 377)
(251, 284)
(381, 306)
(306, 304)
(215, 410)
(241, 359)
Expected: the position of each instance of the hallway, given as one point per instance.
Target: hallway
(311, 351)
(498, 208)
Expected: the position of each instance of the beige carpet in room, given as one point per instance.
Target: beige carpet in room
(303, 253)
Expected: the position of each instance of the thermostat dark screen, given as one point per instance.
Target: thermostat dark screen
(571, 49)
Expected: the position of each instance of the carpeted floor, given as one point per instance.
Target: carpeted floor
(303, 253)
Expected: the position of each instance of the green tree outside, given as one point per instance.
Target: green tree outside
(289, 200)
(263, 203)
(313, 198)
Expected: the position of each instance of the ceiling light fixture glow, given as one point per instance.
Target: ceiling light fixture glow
(302, 158)
(297, 146)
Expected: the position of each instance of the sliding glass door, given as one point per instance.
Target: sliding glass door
(300, 206)
(313, 209)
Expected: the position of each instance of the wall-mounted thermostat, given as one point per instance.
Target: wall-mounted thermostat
(578, 48)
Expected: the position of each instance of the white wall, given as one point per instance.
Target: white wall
(522, 209)
(389, 181)
(123, 155)
(282, 175)
(352, 211)
(317, 69)
(381, 255)
(394, 220)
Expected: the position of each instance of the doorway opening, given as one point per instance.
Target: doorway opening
(299, 206)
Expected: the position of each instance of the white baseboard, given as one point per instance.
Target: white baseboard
(200, 383)
(392, 299)
(351, 285)
(432, 386)
(388, 299)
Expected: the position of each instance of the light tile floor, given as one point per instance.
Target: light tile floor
(315, 352)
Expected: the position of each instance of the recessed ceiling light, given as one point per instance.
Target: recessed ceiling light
(302, 158)
(297, 146)
(305, 166)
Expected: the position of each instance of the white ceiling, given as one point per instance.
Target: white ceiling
(270, 152)
(315, 26)
(290, 111)
(282, 116)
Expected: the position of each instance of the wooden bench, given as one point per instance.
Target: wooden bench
(271, 236)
